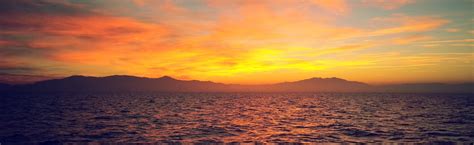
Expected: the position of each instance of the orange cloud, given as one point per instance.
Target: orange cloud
(451, 30)
(347, 48)
(140, 2)
(331, 6)
(254, 24)
(408, 24)
(410, 39)
(86, 41)
(170, 7)
(429, 45)
(450, 41)
(335, 6)
(4, 43)
(387, 4)
(91, 30)
(86, 27)
(396, 67)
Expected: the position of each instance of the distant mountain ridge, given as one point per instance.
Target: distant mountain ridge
(323, 85)
(117, 83)
(124, 83)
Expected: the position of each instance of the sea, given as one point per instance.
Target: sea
(228, 118)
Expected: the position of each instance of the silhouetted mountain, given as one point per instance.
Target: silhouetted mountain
(122, 83)
(323, 85)
(119, 83)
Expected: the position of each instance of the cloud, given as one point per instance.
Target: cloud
(410, 39)
(463, 44)
(22, 79)
(16, 67)
(93, 27)
(246, 24)
(451, 30)
(334, 6)
(449, 41)
(397, 59)
(140, 2)
(50, 7)
(429, 45)
(347, 48)
(79, 44)
(338, 7)
(407, 24)
(59, 34)
(387, 4)
(6, 43)
(396, 67)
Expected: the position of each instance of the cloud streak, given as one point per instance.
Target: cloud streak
(387, 4)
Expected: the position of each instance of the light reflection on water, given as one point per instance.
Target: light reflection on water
(237, 117)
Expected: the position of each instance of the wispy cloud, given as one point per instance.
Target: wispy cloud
(408, 24)
(410, 39)
(387, 4)
(334, 6)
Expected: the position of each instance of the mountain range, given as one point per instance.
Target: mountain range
(123, 83)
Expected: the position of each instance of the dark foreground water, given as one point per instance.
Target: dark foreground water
(237, 117)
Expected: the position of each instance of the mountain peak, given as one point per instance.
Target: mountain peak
(121, 76)
(75, 77)
(319, 78)
(336, 78)
(165, 77)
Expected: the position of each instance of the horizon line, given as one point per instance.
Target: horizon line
(179, 79)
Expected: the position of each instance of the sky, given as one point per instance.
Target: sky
(239, 41)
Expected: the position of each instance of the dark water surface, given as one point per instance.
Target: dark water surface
(237, 117)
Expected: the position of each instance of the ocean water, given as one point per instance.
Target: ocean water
(237, 117)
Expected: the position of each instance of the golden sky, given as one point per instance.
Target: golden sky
(241, 41)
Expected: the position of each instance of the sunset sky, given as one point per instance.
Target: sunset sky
(240, 41)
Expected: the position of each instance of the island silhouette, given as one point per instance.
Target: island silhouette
(125, 83)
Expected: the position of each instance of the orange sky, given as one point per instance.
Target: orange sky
(241, 41)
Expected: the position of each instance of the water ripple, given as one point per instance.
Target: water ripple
(237, 118)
